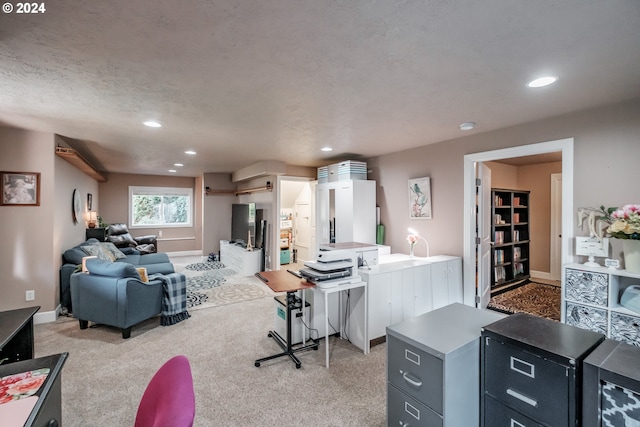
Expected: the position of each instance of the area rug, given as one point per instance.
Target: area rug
(211, 284)
(534, 298)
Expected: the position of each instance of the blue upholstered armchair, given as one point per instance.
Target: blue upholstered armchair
(113, 294)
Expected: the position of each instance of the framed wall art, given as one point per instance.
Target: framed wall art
(20, 188)
(420, 198)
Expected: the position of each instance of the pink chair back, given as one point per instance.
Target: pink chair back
(169, 399)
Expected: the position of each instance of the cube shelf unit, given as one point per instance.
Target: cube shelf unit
(591, 300)
(510, 236)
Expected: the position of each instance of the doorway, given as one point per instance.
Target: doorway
(474, 285)
(294, 228)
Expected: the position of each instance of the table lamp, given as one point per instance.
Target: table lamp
(93, 219)
(414, 232)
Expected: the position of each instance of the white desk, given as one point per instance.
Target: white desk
(358, 339)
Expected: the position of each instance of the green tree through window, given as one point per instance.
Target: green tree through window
(160, 206)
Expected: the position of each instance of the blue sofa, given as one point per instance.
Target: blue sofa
(113, 294)
(72, 258)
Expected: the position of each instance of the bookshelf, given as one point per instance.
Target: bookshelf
(510, 236)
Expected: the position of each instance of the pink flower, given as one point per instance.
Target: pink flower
(412, 239)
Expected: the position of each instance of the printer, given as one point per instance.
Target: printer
(332, 268)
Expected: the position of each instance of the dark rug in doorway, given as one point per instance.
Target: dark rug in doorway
(539, 299)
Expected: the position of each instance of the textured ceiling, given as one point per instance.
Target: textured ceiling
(242, 81)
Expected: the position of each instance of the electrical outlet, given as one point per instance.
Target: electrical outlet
(159, 233)
(30, 295)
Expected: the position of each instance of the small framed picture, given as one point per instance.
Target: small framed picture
(20, 188)
(420, 198)
(89, 201)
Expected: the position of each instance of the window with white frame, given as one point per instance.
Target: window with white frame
(160, 207)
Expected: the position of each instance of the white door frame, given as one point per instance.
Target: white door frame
(555, 263)
(469, 215)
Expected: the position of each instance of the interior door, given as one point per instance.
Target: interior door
(556, 227)
(303, 230)
(483, 250)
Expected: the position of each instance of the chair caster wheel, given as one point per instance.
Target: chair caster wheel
(269, 335)
(257, 364)
(315, 348)
(298, 365)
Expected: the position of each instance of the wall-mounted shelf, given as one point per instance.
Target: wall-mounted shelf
(73, 157)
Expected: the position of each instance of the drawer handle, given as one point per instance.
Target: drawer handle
(522, 367)
(522, 397)
(514, 423)
(415, 383)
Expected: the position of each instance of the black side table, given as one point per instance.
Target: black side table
(96, 233)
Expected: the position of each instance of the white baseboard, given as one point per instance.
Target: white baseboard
(185, 253)
(46, 316)
(540, 274)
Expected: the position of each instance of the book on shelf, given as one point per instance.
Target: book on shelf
(500, 274)
(516, 217)
(516, 201)
(499, 256)
(517, 253)
(516, 235)
(498, 237)
(518, 268)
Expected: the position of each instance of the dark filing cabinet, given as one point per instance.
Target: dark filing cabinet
(531, 372)
(611, 386)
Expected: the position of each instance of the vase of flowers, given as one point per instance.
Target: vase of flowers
(625, 224)
(622, 223)
(412, 239)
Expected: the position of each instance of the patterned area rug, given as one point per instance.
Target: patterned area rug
(210, 284)
(538, 299)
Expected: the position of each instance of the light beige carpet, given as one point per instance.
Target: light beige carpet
(105, 375)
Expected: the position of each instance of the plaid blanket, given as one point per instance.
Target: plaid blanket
(174, 301)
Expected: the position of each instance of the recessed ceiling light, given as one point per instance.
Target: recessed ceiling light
(178, 164)
(172, 170)
(191, 152)
(326, 149)
(542, 81)
(152, 124)
(467, 125)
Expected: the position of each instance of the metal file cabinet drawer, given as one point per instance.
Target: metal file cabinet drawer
(534, 386)
(403, 410)
(417, 373)
(499, 415)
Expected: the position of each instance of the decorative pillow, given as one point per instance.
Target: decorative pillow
(112, 251)
(111, 269)
(98, 251)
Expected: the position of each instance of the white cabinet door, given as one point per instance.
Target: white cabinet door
(345, 211)
(439, 284)
(446, 282)
(422, 289)
(397, 314)
(322, 217)
(454, 269)
(379, 293)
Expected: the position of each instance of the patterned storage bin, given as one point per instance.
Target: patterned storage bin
(591, 318)
(350, 169)
(588, 287)
(323, 174)
(625, 328)
(620, 406)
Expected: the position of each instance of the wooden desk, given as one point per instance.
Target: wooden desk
(283, 281)
(16, 334)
